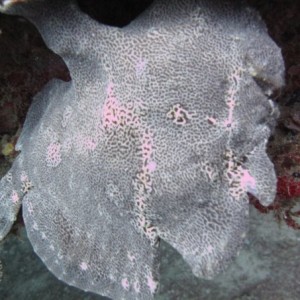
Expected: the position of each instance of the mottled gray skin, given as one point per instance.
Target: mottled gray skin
(160, 135)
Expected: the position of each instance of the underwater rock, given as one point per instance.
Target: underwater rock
(160, 135)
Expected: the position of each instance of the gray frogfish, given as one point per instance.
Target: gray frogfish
(160, 135)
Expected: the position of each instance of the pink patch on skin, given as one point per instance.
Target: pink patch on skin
(83, 266)
(24, 177)
(230, 102)
(152, 284)
(147, 146)
(248, 182)
(15, 197)
(85, 143)
(111, 109)
(110, 87)
(110, 114)
(212, 120)
(90, 143)
(210, 249)
(151, 166)
(179, 110)
(229, 120)
(125, 284)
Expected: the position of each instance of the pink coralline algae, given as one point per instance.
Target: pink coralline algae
(161, 134)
